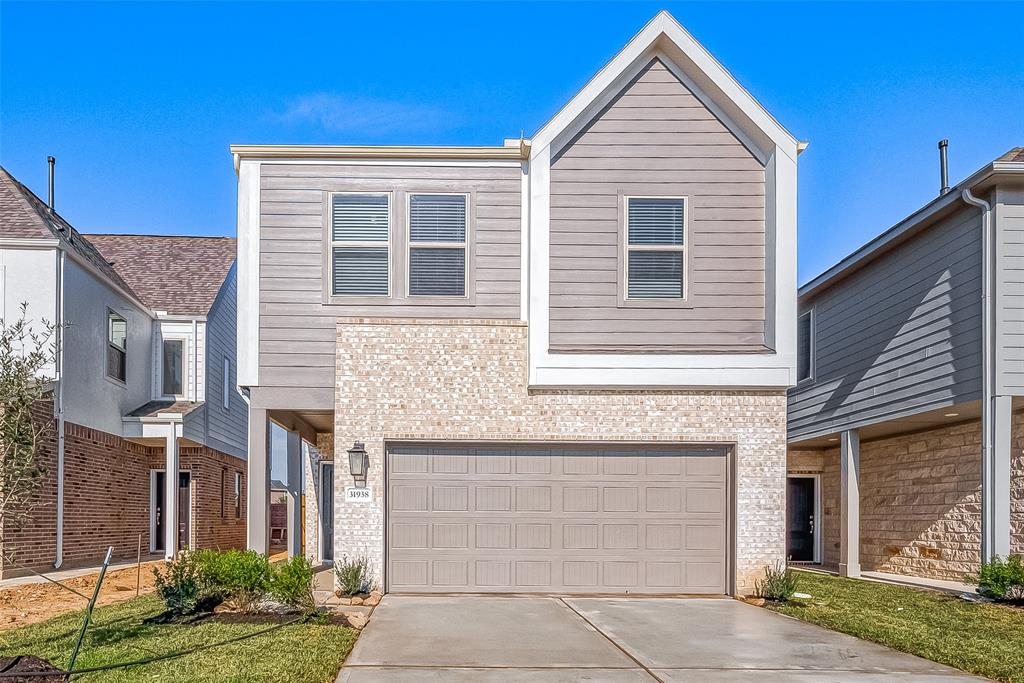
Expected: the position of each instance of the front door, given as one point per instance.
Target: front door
(800, 519)
(184, 510)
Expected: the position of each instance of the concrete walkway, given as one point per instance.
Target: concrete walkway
(549, 640)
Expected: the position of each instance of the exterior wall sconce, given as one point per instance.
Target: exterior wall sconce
(358, 463)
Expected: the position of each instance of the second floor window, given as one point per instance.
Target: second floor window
(655, 265)
(804, 347)
(360, 244)
(437, 245)
(173, 366)
(117, 346)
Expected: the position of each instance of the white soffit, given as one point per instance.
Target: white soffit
(663, 34)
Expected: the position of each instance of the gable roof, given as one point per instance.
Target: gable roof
(176, 274)
(663, 34)
(1012, 162)
(26, 216)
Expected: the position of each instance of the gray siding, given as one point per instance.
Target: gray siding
(1009, 217)
(657, 138)
(297, 324)
(900, 336)
(226, 430)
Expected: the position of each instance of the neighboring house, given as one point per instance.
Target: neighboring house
(905, 430)
(145, 384)
(566, 357)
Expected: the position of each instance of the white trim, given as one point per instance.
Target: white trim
(524, 242)
(185, 359)
(368, 244)
(152, 508)
(28, 243)
(108, 342)
(683, 248)
(248, 322)
(387, 162)
(710, 77)
(410, 245)
(817, 554)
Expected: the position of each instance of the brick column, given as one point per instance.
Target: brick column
(849, 531)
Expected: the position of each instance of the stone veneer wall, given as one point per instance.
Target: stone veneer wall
(409, 380)
(920, 500)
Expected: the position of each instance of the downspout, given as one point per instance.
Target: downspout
(987, 366)
(58, 406)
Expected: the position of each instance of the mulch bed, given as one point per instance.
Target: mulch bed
(11, 666)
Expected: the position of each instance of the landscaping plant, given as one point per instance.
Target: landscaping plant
(1001, 580)
(292, 583)
(238, 577)
(353, 575)
(182, 586)
(778, 584)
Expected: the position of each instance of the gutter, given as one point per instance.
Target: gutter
(987, 359)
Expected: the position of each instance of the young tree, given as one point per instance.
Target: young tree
(27, 353)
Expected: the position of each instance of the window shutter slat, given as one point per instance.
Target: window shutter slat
(359, 218)
(655, 221)
(437, 218)
(361, 271)
(437, 272)
(655, 274)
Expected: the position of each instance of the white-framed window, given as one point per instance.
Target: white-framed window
(438, 233)
(805, 346)
(117, 346)
(361, 244)
(238, 495)
(227, 383)
(173, 367)
(655, 245)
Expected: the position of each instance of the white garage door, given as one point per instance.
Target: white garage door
(563, 519)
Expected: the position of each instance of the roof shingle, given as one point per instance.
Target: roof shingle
(1015, 154)
(178, 275)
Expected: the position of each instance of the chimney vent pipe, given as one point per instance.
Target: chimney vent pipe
(49, 200)
(943, 167)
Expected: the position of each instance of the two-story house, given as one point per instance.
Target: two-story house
(144, 384)
(905, 427)
(559, 364)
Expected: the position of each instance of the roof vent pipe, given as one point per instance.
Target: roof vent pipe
(943, 167)
(49, 200)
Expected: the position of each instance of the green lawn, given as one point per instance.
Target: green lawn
(981, 638)
(300, 652)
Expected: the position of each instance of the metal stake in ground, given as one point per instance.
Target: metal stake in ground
(88, 610)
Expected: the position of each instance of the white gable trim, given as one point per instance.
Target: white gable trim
(705, 75)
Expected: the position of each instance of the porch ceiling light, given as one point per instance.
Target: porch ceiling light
(358, 462)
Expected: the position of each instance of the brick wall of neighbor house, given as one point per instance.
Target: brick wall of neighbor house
(920, 500)
(106, 500)
(213, 530)
(467, 380)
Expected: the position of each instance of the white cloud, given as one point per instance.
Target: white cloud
(365, 115)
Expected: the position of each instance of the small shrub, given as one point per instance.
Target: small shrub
(353, 575)
(182, 586)
(292, 583)
(240, 577)
(1001, 580)
(778, 584)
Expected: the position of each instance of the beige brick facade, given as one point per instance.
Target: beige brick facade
(920, 500)
(405, 380)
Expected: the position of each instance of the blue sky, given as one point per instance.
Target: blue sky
(139, 102)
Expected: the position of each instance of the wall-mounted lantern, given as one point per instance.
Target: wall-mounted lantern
(358, 463)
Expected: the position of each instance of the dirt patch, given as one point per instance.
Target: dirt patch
(31, 603)
(9, 666)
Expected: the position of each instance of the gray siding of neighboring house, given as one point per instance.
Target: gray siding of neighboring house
(297, 322)
(657, 138)
(226, 430)
(1008, 205)
(900, 336)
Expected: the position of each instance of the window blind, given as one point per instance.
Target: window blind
(437, 245)
(360, 233)
(655, 248)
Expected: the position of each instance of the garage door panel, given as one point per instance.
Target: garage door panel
(557, 520)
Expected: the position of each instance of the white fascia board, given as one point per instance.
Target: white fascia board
(709, 76)
(28, 243)
(457, 163)
(248, 272)
(719, 378)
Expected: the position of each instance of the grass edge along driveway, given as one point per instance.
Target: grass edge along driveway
(300, 652)
(980, 638)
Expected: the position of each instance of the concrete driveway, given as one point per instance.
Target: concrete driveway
(549, 639)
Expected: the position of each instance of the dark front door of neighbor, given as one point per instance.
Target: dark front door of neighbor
(184, 510)
(327, 511)
(800, 519)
